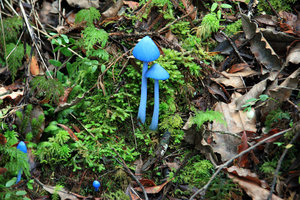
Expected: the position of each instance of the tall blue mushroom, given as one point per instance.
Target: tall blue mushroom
(157, 73)
(146, 51)
(22, 147)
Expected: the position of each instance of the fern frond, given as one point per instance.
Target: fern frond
(88, 15)
(15, 58)
(210, 115)
(12, 27)
(50, 88)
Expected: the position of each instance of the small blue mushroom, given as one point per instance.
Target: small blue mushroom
(146, 51)
(157, 73)
(22, 147)
(96, 185)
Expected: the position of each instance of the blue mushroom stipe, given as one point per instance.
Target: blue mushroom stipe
(96, 185)
(22, 147)
(157, 73)
(146, 51)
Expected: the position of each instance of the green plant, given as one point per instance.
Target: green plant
(252, 101)
(278, 5)
(14, 55)
(8, 193)
(12, 27)
(50, 89)
(57, 188)
(207, 116)
(275, 116)
(88, 15)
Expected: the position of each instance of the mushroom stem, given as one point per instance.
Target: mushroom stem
(143, 101)
(155, 115)
(19, 176)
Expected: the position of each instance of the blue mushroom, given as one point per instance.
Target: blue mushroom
(157, 73)
(146, 51)
(96, 185)
(22, 147)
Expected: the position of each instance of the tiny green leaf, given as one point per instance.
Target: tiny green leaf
(289, 146)
(11, 182)
(21, 192)
(214, 7)
(263, 97)
(66, 39)
(225, 5)
(56, 63)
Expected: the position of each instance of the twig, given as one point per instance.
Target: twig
(234, 47)
(176, 20)
(82, 125)
(204, 188)
(280, 163)
(130, 173)
(273, 8)
(292, 103)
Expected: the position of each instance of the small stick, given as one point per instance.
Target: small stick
(279, 164)
(234, 47)
(204, 188)
(130, 173)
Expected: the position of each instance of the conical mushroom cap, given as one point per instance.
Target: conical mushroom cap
(22, 147)
(157, 72)
(146, 50)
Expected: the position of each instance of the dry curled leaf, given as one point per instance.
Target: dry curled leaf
(153, 189)
(260, 47)
(71, 133)
(34, 66)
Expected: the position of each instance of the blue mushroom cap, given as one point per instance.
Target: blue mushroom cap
(22, 147)
(157, 72)
(146, 50)
(96, 184)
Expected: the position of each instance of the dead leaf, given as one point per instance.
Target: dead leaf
(113, 10)
(2, 170)
(238, 67)
(132, 4)
(71, 133)
(235, 79)
(294, 55)
(76, 128)
(243, 161)
(64, 98)
(236, 122)
(2, 139)
(84, 3)
(260, 47)
(147, 182)
(247, 175)
(173, 165)
(189, 7)
(153, 189)
(34, 66)
(255, 91)
(63, 194)
(253, 190)
(266, 20)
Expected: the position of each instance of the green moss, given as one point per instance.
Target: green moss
(278, 5)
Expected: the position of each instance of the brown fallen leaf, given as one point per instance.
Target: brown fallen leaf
(236, 122)
(132, 4)
(64, 98)
(235, 79)
(84, 3)
(113, 10)
(153, 189)
(238, 67)
(243, 161)
(259, 46)
(253, 190)
(34, 66)
(294, 55)
(71, 133)
(2, 170)
(2, 139)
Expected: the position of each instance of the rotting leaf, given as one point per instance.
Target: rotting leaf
(2, 139)
(294, 55)
(153, 189)
(64, 98)
(238, 67)
(260, 47)
(247, 175)
(2, 170)
(243, 160)
(113, 10)
(71, 133)
(237, 121)
(235, 79)
(132, 4)
(253, 190)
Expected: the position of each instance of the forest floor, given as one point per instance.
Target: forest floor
(77, 99)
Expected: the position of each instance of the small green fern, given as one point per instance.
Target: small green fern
(210, 23)
(88, 15)
(93, 36)
(210, 115)
(50, 88)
